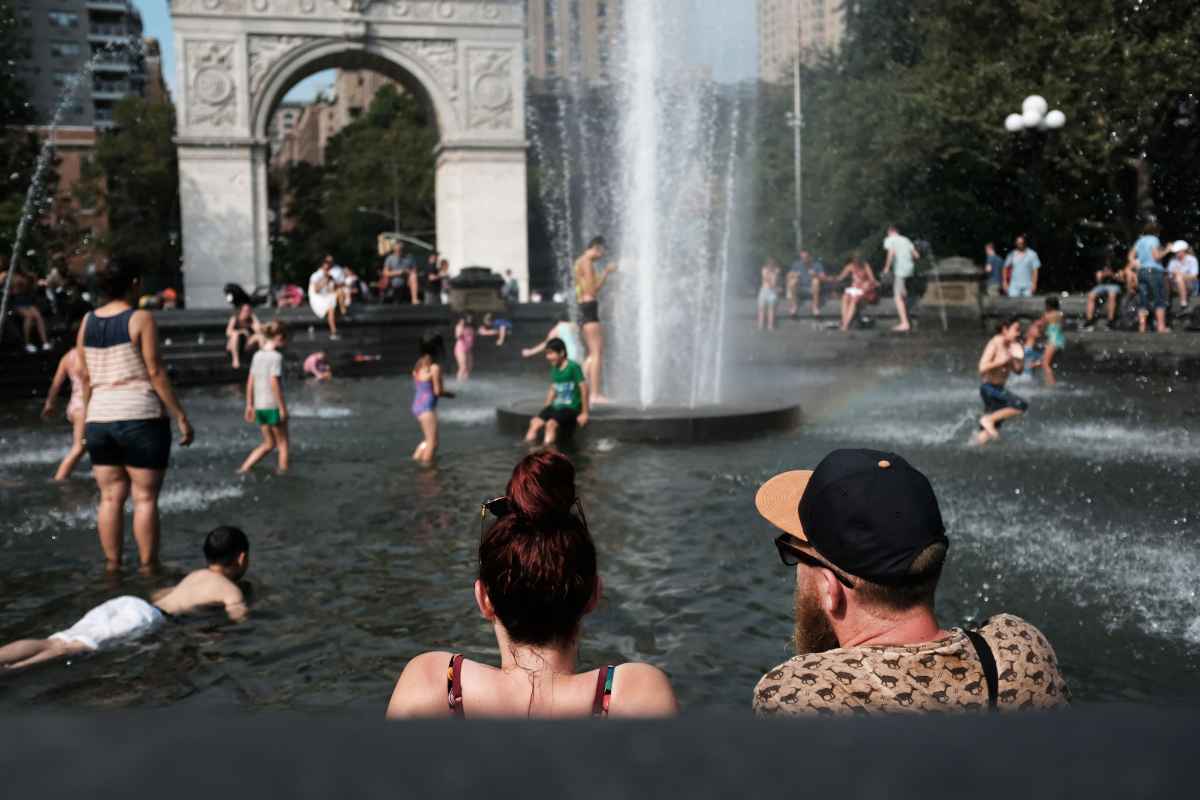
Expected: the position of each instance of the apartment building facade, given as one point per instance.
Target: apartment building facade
(63, 36)
(788, 29)
(571, 39)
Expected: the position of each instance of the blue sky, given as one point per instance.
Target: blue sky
(723, 34)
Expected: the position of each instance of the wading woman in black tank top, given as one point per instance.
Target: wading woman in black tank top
(537, 580)
(126, 391)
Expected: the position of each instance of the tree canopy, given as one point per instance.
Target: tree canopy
(905, 125)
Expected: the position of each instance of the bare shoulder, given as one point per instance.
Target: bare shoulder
(421, 689)
(204, 588)
(141, 320)
(641, 690)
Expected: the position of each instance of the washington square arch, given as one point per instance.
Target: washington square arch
(238, 58)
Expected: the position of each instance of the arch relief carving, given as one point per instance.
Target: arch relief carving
(438, 57)
(423, 10)
(491, 92)
(212, 88)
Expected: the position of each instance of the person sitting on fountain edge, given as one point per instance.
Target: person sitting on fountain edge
(125, 619)
(866, 537)
(567, 401)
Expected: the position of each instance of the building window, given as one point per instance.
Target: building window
(63, 19)
(62, 80)
(64, 49)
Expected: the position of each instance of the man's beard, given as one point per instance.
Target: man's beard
(813, 633)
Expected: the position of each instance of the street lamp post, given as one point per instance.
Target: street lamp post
(795, 121)
(1036, 116)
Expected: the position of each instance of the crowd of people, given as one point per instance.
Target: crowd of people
(1151, 275)
(863, 532)
(859, 284)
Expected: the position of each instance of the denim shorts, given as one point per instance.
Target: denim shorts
(138, 443)
(1152, 289)
(997, 397)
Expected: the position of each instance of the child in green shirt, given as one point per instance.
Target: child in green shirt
(566, 401)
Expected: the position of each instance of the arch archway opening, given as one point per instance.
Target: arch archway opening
(350, 167)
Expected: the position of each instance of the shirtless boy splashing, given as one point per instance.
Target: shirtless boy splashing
(1002, 356)
(588, 283)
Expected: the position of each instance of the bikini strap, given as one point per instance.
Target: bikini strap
(454, 687)
(604, 687)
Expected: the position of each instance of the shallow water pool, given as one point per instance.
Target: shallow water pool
(1081, 519)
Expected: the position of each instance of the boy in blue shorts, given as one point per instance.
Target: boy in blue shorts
(1002, 356)
(566, 402)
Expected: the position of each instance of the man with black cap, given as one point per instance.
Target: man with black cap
(866, 536)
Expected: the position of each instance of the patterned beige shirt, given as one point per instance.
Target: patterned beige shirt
(940, 676)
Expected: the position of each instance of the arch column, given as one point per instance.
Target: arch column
(223, 200)
(481, 209)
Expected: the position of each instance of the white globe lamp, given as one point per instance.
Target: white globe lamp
(1035, 103)
(1055, 120)
(1014, 123)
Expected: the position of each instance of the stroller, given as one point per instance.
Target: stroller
(237, 297)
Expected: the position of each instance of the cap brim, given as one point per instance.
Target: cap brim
(778, 501)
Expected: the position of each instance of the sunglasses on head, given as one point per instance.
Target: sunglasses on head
(501, 507)
(792, 552)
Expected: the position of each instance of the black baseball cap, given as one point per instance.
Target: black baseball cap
(867, 512)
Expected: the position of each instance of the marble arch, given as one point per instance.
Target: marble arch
(237, 58)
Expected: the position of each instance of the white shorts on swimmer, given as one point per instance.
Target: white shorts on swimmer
(855, 292)
(121, 619)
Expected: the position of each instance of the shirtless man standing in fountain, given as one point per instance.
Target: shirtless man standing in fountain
(588, 283)
(1003, 355)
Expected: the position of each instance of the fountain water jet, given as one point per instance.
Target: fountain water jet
(670, 195)
(673, 215)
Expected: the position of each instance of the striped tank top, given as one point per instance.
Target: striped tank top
(121, 388)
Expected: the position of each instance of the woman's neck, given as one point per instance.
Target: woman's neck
(548, 660)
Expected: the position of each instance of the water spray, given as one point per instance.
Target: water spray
(44, 156)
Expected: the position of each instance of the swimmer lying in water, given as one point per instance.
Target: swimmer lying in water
(125, 619)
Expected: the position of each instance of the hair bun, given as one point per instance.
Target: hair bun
(542, 486)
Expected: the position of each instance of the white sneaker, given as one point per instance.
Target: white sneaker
(30, 348)
(45, 345)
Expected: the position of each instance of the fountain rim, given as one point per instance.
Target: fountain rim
(668, 424)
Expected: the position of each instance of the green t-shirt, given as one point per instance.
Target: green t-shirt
(566, 381)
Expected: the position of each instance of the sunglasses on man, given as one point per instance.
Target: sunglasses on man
(793, 552)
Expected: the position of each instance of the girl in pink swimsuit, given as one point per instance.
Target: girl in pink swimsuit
(464, 345)
(68, 369)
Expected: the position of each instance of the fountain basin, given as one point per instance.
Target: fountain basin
(665, 424)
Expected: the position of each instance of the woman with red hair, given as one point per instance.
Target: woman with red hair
(537, 580)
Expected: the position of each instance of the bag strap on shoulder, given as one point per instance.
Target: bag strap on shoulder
(988, 661)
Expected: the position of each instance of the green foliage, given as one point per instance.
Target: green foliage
(905, 124)
(382, 162)
(139, 190)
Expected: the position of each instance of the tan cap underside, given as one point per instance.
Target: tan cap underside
(778, 501)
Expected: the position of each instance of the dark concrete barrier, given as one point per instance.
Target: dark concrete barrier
(1110, 752)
